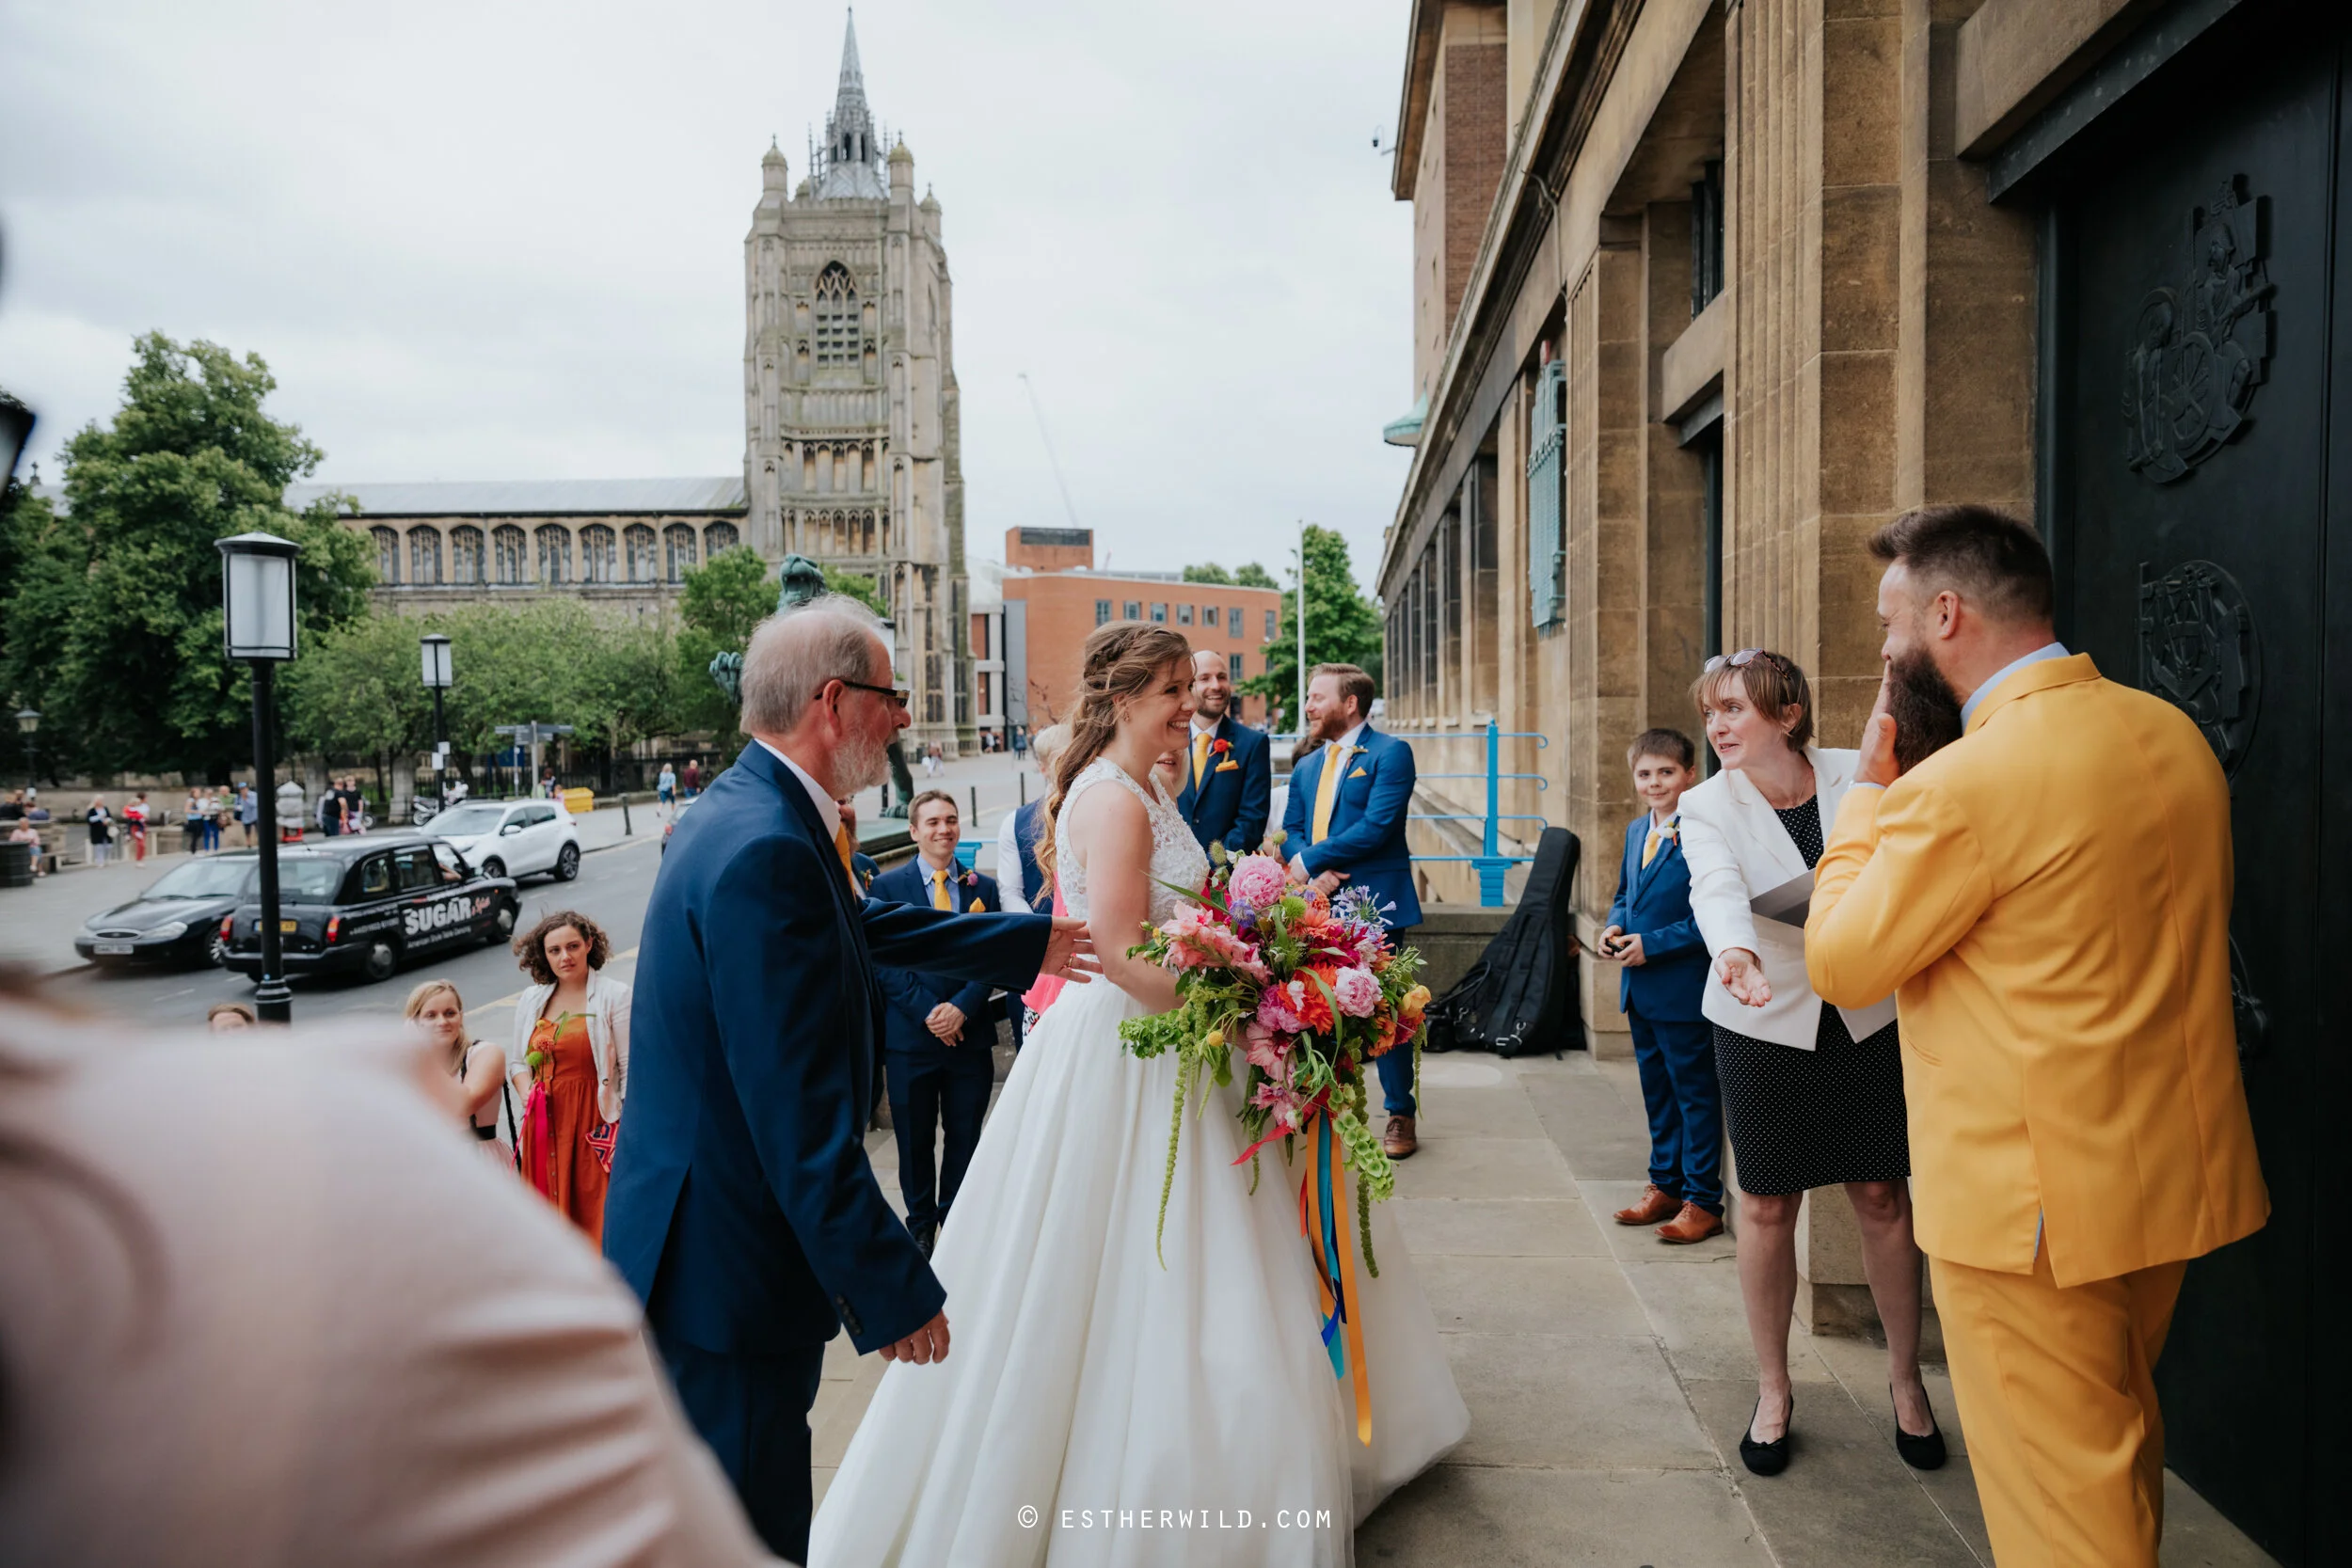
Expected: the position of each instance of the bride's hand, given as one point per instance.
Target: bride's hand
(1070, 952)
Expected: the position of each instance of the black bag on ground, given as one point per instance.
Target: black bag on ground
(1521, 996)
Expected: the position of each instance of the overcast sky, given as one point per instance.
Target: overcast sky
(504, 241)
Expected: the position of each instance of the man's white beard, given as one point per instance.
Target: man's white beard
(861, 764)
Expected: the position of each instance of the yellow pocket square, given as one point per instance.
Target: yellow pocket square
(1229, 767)
(977, 908)
(1357, 774)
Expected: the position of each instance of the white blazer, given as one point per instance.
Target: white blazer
(608, 1039)
(1736, 848)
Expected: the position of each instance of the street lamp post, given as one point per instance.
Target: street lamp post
(256, 595)
(27, 722)
(435, 650)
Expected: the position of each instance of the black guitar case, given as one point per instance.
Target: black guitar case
(1521, 995)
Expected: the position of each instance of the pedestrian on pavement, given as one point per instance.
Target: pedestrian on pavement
(101, 829)
(476, 1069)
(192, 824)
(425, 1367)
(1662, 987)
(224, 1017)
(216, 813)
(2051, 892)
(693, 779)
(665, 789)
(1812, 1093)
(248, 812)
(570, 1063)
(134, 817)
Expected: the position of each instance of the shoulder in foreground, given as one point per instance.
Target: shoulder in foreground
(1707, 795)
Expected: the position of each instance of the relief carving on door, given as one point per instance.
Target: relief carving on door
(2198, 651)
(2199, 351)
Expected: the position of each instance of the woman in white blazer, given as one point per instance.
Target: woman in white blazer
(1813, 1095)
(570, 1065)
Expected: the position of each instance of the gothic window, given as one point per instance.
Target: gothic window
(387, 556)
(869, 533)
(465, 555)
(642, 561)
(680, 542)
(555, 554)
(596, 554)
(719, 536)
(836, 316)
(1101, 613)
(424, 556)
(507, 550)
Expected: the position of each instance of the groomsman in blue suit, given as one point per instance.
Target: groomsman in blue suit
(1651, 932)
(1229, 774)
(743, 1210)
(938, 1033)
(1344, 825)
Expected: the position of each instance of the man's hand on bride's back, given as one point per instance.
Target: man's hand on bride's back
(1070, 952)
(923, 1346)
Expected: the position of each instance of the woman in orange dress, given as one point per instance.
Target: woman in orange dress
(570, 1065)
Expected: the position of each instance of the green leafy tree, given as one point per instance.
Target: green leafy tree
(1342, 627)
(1254, 575)
(863, 589)
(1208, 570)
(120, 606)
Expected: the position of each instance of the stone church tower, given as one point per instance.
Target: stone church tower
(851, 445)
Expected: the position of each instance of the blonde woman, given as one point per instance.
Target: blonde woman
(476, 1068)
(570, 1063)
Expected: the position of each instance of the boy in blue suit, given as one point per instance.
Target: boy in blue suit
(1228, 793)
(1344, 824)
(1651, 932)
(937, 1034)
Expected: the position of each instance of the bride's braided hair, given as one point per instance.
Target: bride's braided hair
(1117, 661)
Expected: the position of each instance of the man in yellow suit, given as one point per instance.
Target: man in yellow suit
(2049, 895)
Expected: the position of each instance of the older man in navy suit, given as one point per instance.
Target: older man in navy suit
(1652, 932)
(1344, 824)
(1228, 791)
(938, 1033)
(743, 1210)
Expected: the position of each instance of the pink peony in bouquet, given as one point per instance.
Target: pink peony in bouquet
(1307, 990)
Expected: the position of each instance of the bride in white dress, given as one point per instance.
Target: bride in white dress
(1087, 1385)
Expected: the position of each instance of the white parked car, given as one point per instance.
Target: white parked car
(512, 838)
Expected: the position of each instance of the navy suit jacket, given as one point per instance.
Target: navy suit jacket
(1367, 836)
(912, 994)
(1654, 903)
(742, 1209)
(1236, 793)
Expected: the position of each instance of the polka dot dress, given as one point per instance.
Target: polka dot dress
(1813, 1118)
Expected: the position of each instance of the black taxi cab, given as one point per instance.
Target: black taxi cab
(367, 905)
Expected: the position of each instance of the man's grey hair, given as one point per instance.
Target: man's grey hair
(792, 655)
(1047, 743)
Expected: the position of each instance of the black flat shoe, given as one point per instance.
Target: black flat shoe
(1921, 1453)
(1771, 1458)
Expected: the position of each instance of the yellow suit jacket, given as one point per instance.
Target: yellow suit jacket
(2049, 897)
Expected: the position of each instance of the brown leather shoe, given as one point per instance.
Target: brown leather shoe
(1400, 1143)
(1693, 1224)
(1657, 1204)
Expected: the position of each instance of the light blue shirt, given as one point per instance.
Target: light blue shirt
(2048, 650)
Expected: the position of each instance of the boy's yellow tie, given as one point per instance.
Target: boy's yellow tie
(1649, 845)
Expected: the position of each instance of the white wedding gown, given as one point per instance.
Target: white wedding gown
(1085, 1376)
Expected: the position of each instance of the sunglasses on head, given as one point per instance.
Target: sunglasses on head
(1744, 657)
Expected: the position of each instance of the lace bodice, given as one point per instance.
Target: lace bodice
(1176, 855)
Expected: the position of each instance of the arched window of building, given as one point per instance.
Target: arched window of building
(720, 536)
(555, 554)
(680, 542)
(465, 555)
(387, 556)
(836, 316)
(642, 566)
(596, 554)
(424, 557)
(508, 550)
(869, 533)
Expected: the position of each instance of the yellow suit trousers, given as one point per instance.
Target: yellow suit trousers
(2057, 1403)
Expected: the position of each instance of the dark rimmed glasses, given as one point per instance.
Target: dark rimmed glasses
(1744, 657)
(897, 695)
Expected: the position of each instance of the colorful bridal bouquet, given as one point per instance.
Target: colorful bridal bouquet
(1307, 990)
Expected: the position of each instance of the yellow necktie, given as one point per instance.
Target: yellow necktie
(1327, 792)
(845, 845)
(939, 891)
(1650, 846)
(1199, 756)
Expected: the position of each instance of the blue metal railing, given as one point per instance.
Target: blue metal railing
(1491, 862)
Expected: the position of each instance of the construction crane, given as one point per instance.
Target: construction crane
(1039, 409)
